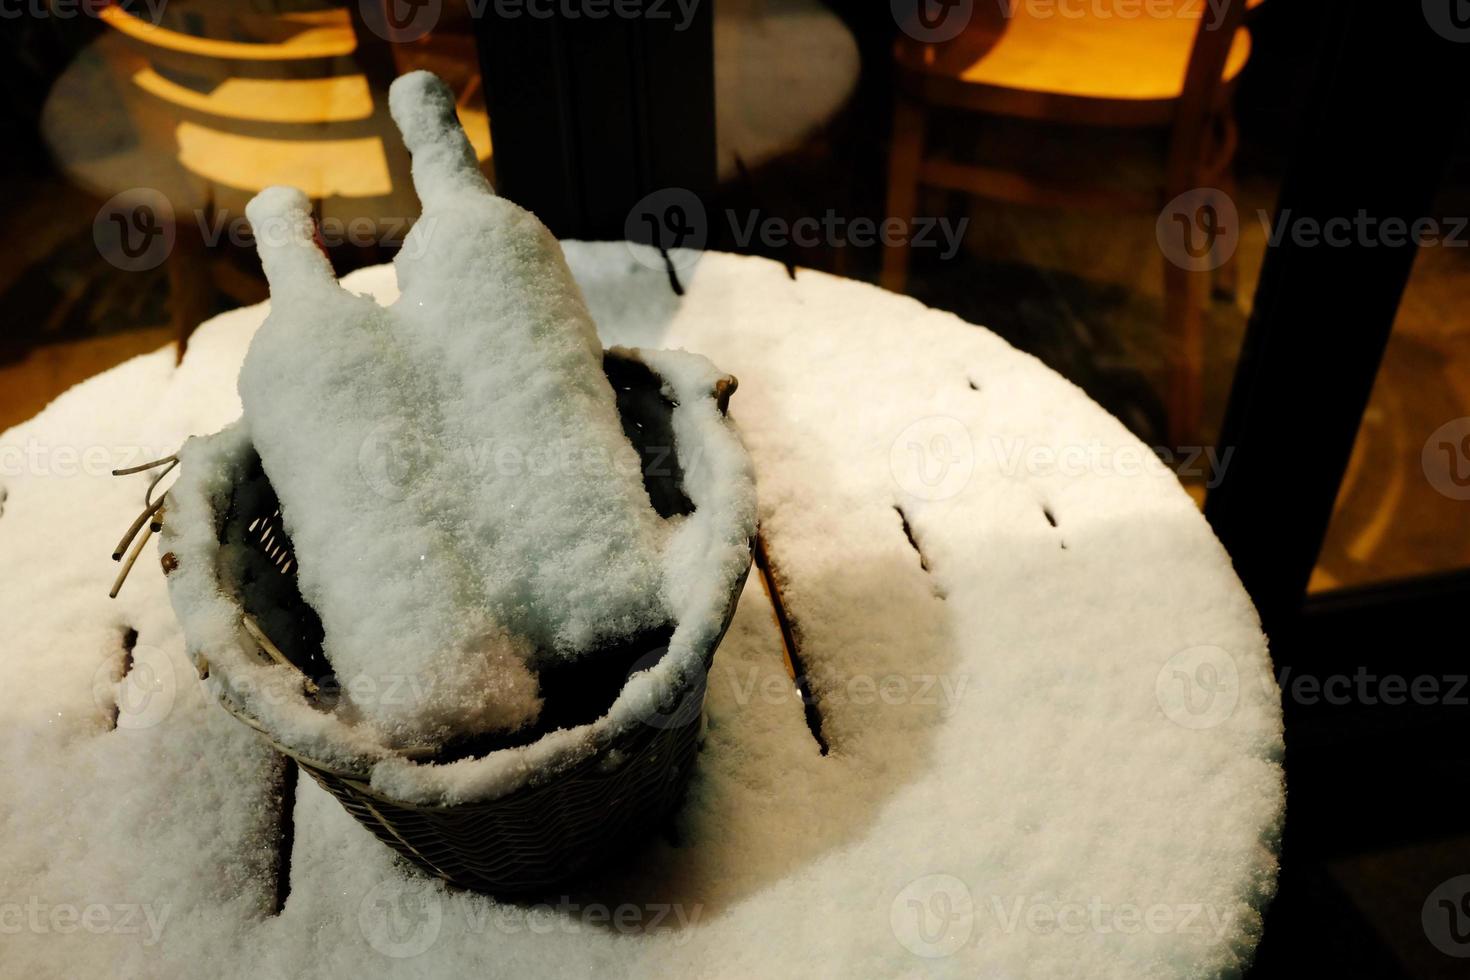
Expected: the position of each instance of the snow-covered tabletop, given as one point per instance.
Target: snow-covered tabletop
(1054, 735)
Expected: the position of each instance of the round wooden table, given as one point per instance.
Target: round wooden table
(1042, 739)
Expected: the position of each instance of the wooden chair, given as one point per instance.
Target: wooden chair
(225, 100)
(1163, 72)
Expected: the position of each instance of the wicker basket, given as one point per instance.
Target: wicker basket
(554, 826)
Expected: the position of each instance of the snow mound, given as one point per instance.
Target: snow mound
(451, 469)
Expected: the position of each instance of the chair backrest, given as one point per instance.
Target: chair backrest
(298, 45)
(246, 79)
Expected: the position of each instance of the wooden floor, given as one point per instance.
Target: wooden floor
(28, 385)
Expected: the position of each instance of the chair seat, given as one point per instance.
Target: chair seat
(1074, 65)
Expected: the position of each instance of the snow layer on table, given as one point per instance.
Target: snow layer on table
(964, 828)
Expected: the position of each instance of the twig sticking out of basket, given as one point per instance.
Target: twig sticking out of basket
(274, 652)
(149, 522)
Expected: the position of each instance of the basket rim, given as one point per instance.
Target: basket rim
(364, 788)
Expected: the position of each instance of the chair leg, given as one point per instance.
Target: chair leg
(904, 159)
(1194, 162)
(190, 289)
(1184, 293)
(1225, 285)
